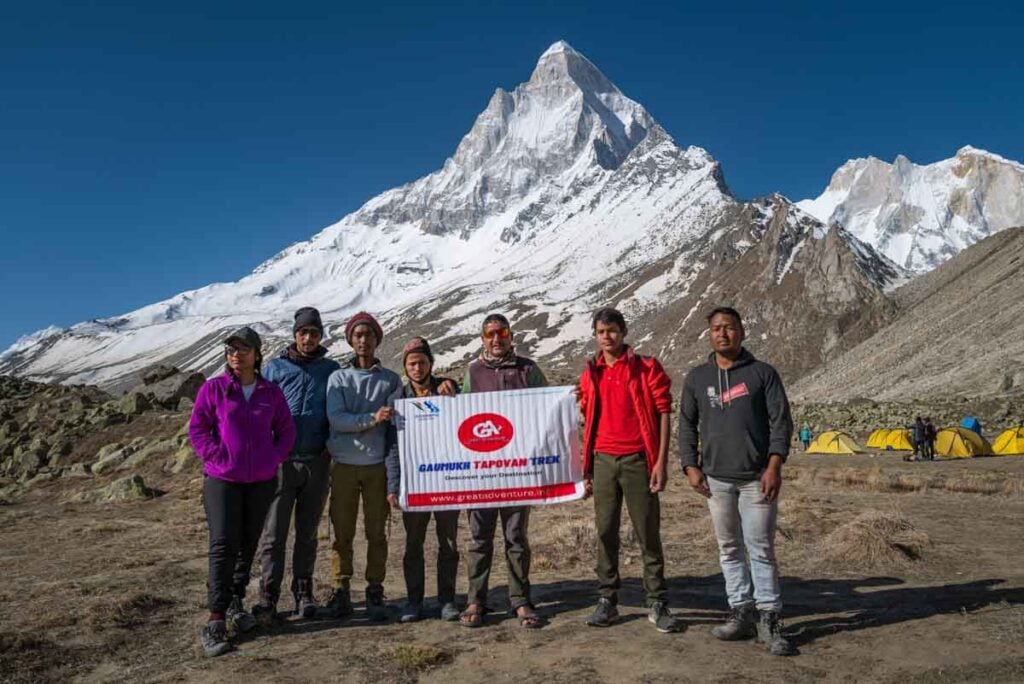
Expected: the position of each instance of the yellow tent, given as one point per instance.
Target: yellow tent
(899, 440)
(877, 438)
(958, 442)
(1010, 442)
(834, 442)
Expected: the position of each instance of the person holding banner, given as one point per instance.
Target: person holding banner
(626, 401)
(500, 368)
(734, 434)
(418, 362)
(358, 412)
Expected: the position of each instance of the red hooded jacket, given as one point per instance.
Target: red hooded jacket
(651, 390)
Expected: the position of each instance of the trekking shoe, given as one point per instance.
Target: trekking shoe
(214, 638)
(411, 612)
(769, 633)
(264, 613)
(604, 614)
(741, 624)
(376, 609)
(305, 604)
(339, 606)
(663, 620)
(237, 618)
(450, 612)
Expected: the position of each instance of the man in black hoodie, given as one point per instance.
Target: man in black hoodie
(738, 406)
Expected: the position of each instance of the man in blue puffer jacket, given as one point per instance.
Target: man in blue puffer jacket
(303, 480)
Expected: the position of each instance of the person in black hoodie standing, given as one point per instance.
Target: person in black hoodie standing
(735, 408)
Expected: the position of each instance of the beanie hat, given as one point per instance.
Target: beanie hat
(417, 345)
(308, 317)
(363, 318)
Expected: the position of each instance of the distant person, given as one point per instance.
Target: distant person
(917, 434)
(626, 400)
(358, 412)
(418, 362)
(500, 368)
(805, 437)
(301, 371)
(930, 433)
(735, 408)
(242, 429)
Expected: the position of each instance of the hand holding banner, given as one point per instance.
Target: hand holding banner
(489, 449)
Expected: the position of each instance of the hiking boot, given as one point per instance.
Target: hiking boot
(741, 624)
(663, 620)
(376, 609)
(237, 618)
(214, 638)
(769, 633)
(605, 613)
(305, 604)
(450, 612)
(411, 612)
(264, 613)
(339, 606)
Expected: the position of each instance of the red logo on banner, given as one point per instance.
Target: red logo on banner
(485, 432)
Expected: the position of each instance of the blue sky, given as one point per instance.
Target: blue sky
(147, 149)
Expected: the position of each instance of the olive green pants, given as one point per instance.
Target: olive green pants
(349, 484)
(618, 478)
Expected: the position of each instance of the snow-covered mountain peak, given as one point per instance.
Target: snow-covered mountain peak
(921, 215)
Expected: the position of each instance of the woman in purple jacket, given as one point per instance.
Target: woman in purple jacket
(242, 429)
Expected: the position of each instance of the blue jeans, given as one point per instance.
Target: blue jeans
(745, 527)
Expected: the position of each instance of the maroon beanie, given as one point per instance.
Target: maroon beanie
(417, 345)
(363, 318)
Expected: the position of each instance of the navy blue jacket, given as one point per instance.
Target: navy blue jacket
(305, 387)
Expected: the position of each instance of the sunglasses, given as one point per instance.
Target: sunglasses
(237, 351)
(503, 333)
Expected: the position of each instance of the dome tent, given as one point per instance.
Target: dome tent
(959, 442)
(834, 442)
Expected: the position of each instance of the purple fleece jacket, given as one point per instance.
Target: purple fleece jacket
(238, 440)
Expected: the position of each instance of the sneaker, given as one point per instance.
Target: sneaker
(741, 624)
(264, 613)
(214, 638)
(663, 620)
(450, 612)
(376, 609)
(305, 604)
(339, 606)
(237, 618)
(604, 614)
(769, 633)
(411, 612)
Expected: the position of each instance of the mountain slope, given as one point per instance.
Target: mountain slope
(564, 196)
(920, 216)
(959, 332)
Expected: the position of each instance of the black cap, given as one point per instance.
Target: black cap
(307, 316)
(246, 336)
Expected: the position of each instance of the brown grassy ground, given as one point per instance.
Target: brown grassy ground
(892, 571)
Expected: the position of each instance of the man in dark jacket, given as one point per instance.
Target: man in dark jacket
(738, 406)
(918, 434)
(418, 362)
(499, 368)
(301, 371)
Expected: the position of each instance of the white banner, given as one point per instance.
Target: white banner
(489, 449)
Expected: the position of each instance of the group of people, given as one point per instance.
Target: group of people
(922, 434)
(280, 441)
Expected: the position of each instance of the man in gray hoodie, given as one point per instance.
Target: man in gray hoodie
(738, 406)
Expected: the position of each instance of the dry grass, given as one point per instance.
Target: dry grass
(874, 540)
(127, 612)
(879, 480)
(418, 658)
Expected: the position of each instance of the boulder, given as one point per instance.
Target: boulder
(185, 405)
(158, 373)
(145, 453)
(131, 488)
(134, 403)
(78, 470)
(113, 459)
(11, 494)
(170, 390)
(185, 459)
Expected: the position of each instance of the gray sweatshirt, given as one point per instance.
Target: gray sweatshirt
(353, 396)
(742, 416)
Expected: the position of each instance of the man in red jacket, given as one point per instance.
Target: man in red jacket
(626, 399)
